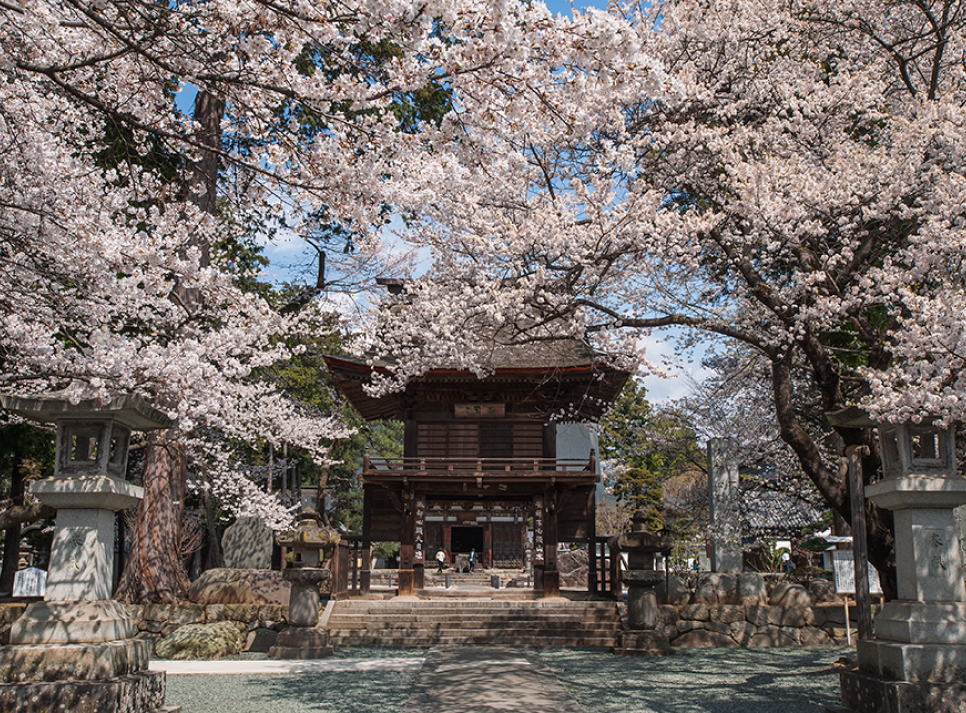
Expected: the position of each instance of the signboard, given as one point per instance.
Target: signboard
(30, 582)
(419, 534)
(843, 566)
(480, 410)
(538, 556)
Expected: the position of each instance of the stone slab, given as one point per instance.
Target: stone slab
(863, 692)
(84, 662)
(922, 622)
(142, 692)
(940, 663)
(50, 622)
(247, 544)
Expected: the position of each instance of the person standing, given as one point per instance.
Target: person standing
(440, 558)
(473, 560)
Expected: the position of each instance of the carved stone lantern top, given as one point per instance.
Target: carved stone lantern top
(308, 541)
(92, 439)
(924, 449)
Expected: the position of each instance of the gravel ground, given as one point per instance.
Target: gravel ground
(695, 681)
(701, 680)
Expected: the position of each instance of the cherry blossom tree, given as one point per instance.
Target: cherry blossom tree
(114, 200)
(794, 183)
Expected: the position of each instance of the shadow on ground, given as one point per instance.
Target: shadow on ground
(701, 681)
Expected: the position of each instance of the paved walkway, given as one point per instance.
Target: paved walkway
(487, 679)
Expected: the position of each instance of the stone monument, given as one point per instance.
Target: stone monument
(723, 502)
(916, 662)
(247, 544)
(310, 544)
(76, 650)
(643, 614)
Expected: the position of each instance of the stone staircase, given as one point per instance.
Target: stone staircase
(421, 624)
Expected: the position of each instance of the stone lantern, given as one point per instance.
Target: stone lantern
(78, 632)
(309, 544)
(918, 655)
(642, 579)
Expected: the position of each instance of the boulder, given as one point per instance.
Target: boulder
(674, 592)
(772, 636)
(745, 589)
(822, 590)
(239, 586)
(789, 594)
(201, 641)
(260, 640)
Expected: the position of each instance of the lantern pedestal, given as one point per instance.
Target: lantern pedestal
(76, 649)
(917, 661)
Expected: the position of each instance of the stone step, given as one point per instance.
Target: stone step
(474, 624)
(463, 604)
(425, 642)
(423, 624)
(463, 616)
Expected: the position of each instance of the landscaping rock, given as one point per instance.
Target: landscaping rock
(771, 636)
(674, 592)
(201, 641)
(751, 589)
(789, 594)
(742, 631)
(822, 590)
(810, 636)
(239, 586)
(260, 640)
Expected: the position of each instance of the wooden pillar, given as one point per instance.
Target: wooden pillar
(486, 556)
(551, 576)
(365, 576)
(406, 550)
(592, 541)
(447, 541)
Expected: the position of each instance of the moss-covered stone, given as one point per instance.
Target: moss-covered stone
(201, 641)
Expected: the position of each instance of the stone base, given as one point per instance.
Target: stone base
(643, 643)
(73, 622)
(298, 642)
(913, 622)
(938, 663)
(79, 662)
(863, 692)
(141, 692)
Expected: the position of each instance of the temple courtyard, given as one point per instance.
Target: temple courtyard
(500, 680)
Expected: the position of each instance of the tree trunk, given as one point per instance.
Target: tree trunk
(829, 483)
(155, 570)
(11, 535)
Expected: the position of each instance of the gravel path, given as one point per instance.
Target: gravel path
(695, 681)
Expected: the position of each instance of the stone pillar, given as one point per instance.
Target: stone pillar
(723, 502)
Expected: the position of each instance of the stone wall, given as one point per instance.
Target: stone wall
(258, 624)
(747, 609)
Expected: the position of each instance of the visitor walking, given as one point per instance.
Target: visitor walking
(440, 558)
(473, 560)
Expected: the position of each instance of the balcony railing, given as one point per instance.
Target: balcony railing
(459, 468)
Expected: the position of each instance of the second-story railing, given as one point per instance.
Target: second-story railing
(512, 468)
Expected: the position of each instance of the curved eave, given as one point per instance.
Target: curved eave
(601, 385)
